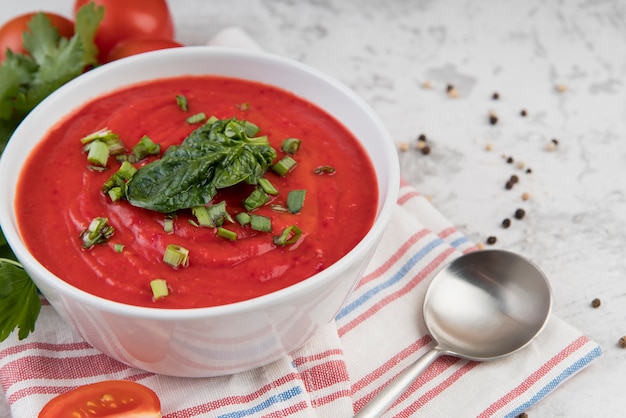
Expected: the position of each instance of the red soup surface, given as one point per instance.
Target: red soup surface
(59, 195)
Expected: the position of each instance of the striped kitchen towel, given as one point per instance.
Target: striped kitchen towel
(376, 335)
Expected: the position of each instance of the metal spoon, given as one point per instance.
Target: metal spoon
(482, 306)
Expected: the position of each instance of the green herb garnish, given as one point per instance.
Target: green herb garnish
(25, 80)
(145, 147)
(256, 199)
(159, 289)
(98, 153)
(290, 235)
(291, 145)
(226, 234)
(214, 156)
(295, 200)
(98, 232)
(197, 118)
(267, 186)
(284, 166)
(176, 256)
(182, 103)
(260, 223)
(20, 300)
(243, 218)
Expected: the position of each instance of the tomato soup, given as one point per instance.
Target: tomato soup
(59, 194)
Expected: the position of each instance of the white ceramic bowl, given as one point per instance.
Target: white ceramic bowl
(218, 340)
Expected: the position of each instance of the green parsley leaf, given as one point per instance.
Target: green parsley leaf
(25, 80)
(20, 300)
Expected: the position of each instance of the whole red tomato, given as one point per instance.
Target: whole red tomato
(11, 32)
(105, 399)
(130, 19)
(134, 46)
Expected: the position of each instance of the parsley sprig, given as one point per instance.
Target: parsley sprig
(25, 80)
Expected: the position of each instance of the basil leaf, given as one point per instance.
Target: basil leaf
(217, 155)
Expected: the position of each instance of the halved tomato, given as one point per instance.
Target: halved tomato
(110, 398)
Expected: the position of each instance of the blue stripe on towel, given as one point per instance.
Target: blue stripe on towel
(392, 280)
(575, 367)
(272, 400)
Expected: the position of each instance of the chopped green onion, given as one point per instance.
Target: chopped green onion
(118, 181)
(243, 218)
(197, 118)
(116, 193)
(295, 200)
(168, 224)
(176, 256)
(267, 186)
(102, 135)
(126, 170)
(250, 129)
(226, 234)
(256, 199)
(260, 223)
(211, 120)
(194, 223)
(112, 141)
(290, 235)
(98, 153)
(159, 288)
(182, 103)
(202, 215)
(219, 214)
(98, 232)
(145, 147)
(284, 166)
(324, 169)
(118, 248)
(291, 145)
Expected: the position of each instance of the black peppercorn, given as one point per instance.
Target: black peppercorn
(596, 303)
(506, 222)
(491, 240)
(520, 213)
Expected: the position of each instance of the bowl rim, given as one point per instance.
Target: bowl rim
(13, 237)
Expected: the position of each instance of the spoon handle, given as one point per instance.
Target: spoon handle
(386, 397)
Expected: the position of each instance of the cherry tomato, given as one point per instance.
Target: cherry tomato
(130, 19)
(135, 46)
(11, 32)
(105, 399)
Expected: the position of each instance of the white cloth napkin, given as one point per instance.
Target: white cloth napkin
(373, 338)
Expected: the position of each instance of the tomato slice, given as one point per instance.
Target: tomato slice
(110, 398)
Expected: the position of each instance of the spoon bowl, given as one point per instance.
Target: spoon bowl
(487, 304)
(482, 306)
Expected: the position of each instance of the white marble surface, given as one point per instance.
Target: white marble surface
(575, 224)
